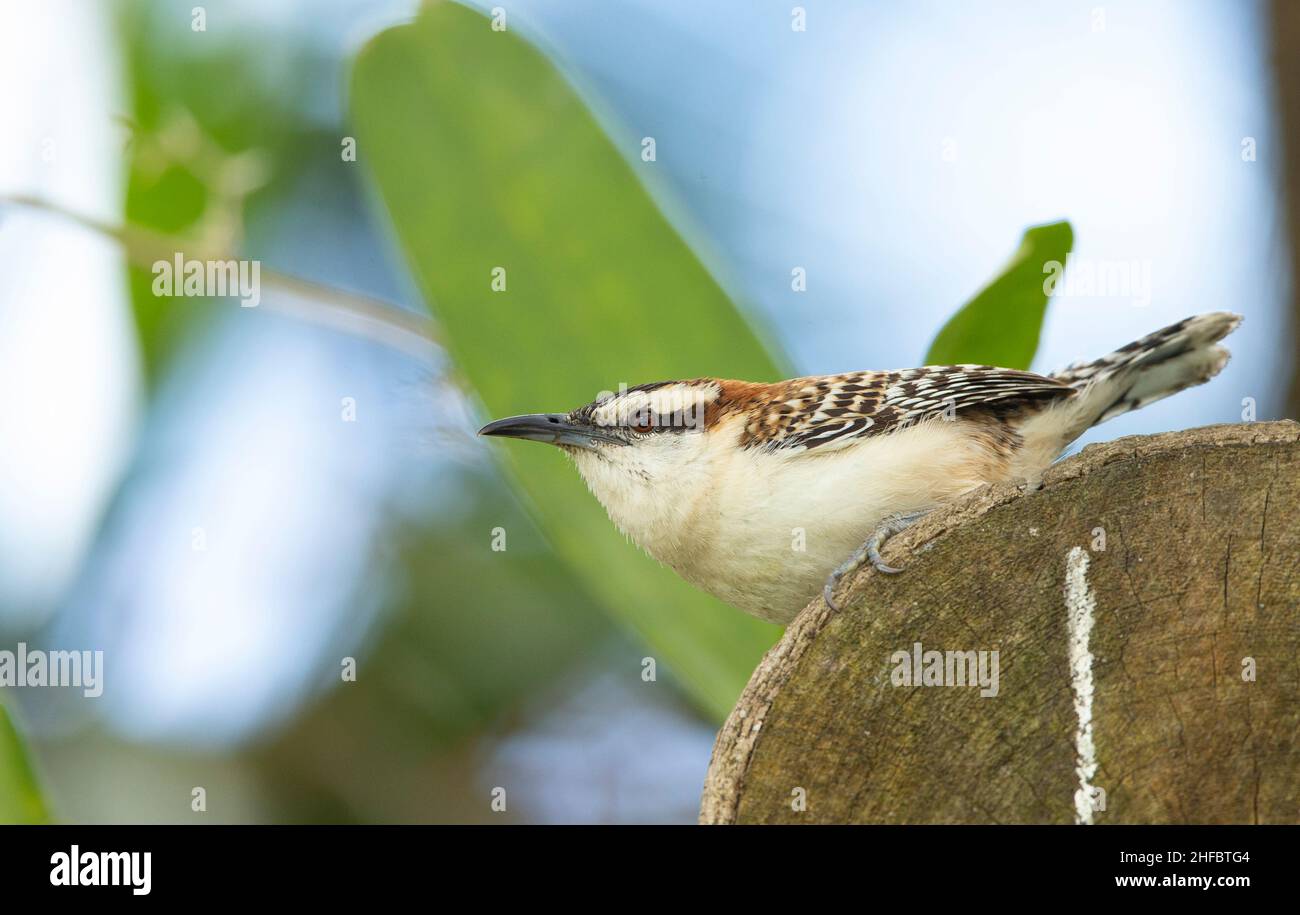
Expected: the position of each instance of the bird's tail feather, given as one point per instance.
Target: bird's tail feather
(1170, 360)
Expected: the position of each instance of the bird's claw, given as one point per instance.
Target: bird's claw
(873, 554)
(869, 552)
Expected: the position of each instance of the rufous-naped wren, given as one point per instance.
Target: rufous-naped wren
(766, 494)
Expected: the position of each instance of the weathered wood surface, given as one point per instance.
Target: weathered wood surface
(1196, 585)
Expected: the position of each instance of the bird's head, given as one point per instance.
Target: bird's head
(645, 452)
(661, 422)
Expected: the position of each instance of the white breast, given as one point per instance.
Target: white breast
(762, 529)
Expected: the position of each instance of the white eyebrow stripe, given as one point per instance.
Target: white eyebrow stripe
(671, 400)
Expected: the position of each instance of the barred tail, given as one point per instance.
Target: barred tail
(1179, 356)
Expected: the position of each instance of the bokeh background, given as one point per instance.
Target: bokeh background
(180, 486)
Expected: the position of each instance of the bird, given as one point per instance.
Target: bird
(767, 494)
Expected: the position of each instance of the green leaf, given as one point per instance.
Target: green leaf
(475, 634)
(1000, 326)
(486, 158)
(20, 795)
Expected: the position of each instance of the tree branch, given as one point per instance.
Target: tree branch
(317, 303)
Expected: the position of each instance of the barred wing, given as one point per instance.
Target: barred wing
(836, 410)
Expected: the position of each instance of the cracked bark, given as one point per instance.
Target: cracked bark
(1199, 573)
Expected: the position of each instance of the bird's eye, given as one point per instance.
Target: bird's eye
(643, 423)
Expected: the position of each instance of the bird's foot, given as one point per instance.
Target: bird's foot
(870, 552)
(1032, 483)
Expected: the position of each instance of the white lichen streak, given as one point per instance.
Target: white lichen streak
(1080, 606)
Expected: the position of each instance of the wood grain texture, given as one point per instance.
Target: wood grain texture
(1198, 573)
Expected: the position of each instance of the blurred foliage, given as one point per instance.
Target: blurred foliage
(20, 794)
(486, 158)
(473, 633)
(208, 110)
(477, 629)
(1001, 325)
(210, 126)
(223, 150)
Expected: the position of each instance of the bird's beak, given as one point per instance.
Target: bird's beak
(555, 428)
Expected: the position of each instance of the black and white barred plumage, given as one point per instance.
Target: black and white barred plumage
(813, 412)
